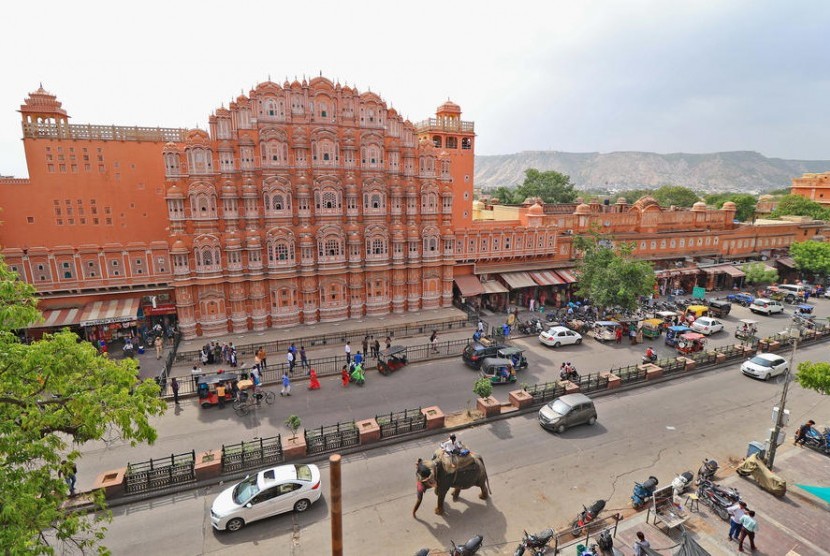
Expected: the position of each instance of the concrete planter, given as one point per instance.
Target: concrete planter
(774, 345)
(294, 448)
(488, 406)
(613, 380)
(369, 430)
(571, 387)
(720, 357)
(688, 364)
(435, 417)
(112, 483)
(520, 399)
(208, 465)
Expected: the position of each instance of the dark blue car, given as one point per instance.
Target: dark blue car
(741, 298)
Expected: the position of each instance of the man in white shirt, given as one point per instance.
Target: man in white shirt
(348, 350)
(736, 512)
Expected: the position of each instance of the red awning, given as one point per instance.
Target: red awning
(58, 318)
(566, 275)
(114, 310)
(547, 278)
(469, 285)
(518, 280)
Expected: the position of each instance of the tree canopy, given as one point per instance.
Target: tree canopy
(814, 376)
(677, 195)
(796, 205)
(759, 273)
(551, 186)
(744, 203)
(609, 275)
(812, 257)
(55, 394)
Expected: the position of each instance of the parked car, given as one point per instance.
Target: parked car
(567, 411)
(765, 366)
(270, 492)
(475, 352)
(557, 336)
(793, 291)
(766, 306)
(707, 325)
(741, 298)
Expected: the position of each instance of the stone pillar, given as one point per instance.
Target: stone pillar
(435, 417)
(369, 431)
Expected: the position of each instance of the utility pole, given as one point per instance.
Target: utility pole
(779, 421)
(336, 506)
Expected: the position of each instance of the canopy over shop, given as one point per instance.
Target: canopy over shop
(112, 319)
(723, 277)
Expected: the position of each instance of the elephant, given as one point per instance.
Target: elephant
(440, 474)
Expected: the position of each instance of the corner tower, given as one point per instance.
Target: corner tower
(450, 135)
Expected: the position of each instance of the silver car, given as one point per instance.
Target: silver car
(567, 411)
(765, 366)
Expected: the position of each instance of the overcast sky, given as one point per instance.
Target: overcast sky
(577, 76)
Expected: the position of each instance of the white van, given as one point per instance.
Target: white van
(793, 291)
(766, 306)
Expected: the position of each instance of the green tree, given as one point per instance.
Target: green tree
(482, 387)
(551, 186)
(56, 394)
(744, 203)
(814, 376)
(610, 275)
(812, 257)
(504, 194)
(796, 205)
(677, 195)
(633, 195)
(293, 423)
(759, 273)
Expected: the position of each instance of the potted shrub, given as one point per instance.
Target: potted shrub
(488, 405)
(293, 423)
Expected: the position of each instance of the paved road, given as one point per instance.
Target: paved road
(538, 479)
(446, 383)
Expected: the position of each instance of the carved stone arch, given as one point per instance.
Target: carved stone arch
(371, 138)
(376, 230)
(323, 133)
(200, 186)
(330, 230)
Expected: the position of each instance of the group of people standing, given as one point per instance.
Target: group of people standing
(213, 353)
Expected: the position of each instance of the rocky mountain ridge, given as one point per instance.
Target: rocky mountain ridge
(738, 171)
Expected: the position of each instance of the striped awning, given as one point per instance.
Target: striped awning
(114, 310)
(58, 318)
(547, 278)
(493, 286)
(518, 280)
(567, 275)
(468, 285)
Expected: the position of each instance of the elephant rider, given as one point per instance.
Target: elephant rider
(423, 481)
(452, 445)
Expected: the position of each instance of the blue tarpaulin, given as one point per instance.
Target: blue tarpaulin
(821, 492)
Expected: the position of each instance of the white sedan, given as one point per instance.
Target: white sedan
(269, 492)
(765, 366)
(560, 336)
(707, 325)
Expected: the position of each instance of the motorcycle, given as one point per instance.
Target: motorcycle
(681, 482)
(650, 358)
(643, 491)
(817, 441)
(707, 470)
(718, 498)
(586, 516)
(570, 374)
(467, 549)
(537, 544)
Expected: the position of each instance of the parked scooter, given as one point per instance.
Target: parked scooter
(817, 441)
(467, 549)
(682, 482)
(586, 516)
(643, 491)
(537, 544)
(707, 470)
(717, 497)
(650, 356)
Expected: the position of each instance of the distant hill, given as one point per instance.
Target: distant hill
(744, 171)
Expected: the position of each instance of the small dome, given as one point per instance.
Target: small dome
(622, 201)
(175, 192)
(178, 247)
(228, 190)
(699, 206)
(478, 205)
(729, 205)
(536, 210)
(412, 232)
(582, 208)
(766, 198)
(449, 107)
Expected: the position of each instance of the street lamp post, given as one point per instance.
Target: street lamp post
(795, 333)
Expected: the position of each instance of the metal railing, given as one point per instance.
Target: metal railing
(545, 392)
(332, 437)
(158, 474)
(402, 422)
(258, 453)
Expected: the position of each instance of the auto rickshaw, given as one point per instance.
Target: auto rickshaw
(690, 342)
(668, 317)
(392, 359)
(804, 309)
(206, 388)
(605, 330)
(673, 334)
(747, 329)
(515, 355)
(697, 311)
(652, 328)
(498, 370)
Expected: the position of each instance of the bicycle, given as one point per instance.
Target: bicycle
(247, 402)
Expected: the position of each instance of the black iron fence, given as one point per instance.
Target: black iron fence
(258, 453)
(545, 392)
(402, 422)
(157, 474)
(332, 437)
(280, 347)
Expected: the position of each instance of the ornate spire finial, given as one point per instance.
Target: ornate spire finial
(269, 77)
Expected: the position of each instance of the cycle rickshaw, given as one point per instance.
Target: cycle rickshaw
(248, 398)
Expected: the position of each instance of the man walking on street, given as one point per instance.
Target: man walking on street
(348, 350)
(749, 527)
(174, 385)
(263, 362)
(159, 345)
(736, 512)
(286, 385)
(290, 357)
(304, 359)
(366, 346)
(376, 349)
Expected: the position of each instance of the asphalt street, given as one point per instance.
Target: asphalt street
(538, 478)
(446, 383)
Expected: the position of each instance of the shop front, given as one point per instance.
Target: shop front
(723, 277)
(495, 293)
(55, 320)
(468, 291)
(108, 321)
(522, 287)
(159, 316)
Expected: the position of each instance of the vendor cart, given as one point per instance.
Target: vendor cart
(667, 510)
(605, 330)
